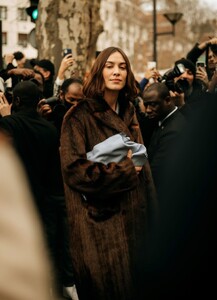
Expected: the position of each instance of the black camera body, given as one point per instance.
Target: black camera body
(51, 101)
(181, 85)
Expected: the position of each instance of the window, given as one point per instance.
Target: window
(3, 12)
(4, 38)
(22, 15)
(22, 39)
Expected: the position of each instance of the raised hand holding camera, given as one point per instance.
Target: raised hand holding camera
(44, 107)
(179, 86)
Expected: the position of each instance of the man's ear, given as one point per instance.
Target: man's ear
(16, 100)
(168, 99)
(61, 95)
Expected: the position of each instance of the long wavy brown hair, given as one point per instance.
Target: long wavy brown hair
(94, 84)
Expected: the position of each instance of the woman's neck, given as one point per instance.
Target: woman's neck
(111, 97)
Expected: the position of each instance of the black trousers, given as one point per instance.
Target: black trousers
(55, 222)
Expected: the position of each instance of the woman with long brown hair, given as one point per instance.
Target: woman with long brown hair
(107, 202)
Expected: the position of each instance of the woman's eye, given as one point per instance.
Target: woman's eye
(108, 66)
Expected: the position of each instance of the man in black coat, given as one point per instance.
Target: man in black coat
(160, 106)
(179, 260)
(37, 143)
(35, 140)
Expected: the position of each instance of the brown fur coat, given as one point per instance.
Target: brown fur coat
(107, 205)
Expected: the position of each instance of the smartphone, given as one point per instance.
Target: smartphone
(67, 51)
(151, 65)
(200, 64)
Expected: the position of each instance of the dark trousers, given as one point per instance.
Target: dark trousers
(55, 223)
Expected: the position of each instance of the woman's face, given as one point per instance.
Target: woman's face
(115, 72)
(212, 60)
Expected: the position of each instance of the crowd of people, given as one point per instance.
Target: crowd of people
(130, 219)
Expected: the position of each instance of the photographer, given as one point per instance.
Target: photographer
(210, 48)
(66, 63)
(212, 88)
(54, 108)
(191, 88)
(18, 74)
(213, 83)
(14, 72)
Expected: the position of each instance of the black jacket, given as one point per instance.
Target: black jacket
(163, 142)
(37, 143)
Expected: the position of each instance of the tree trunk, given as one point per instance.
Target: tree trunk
(74, 24)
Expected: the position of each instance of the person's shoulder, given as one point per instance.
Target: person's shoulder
(10, 119)
(45, 122)
(175, 122)
(84, 106)
(178, 116)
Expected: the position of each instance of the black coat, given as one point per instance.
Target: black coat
(163, 142)
(181, 259)
(37, 143)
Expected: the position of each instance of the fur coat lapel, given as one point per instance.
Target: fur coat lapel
(127, 123)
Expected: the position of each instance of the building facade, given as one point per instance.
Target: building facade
(125, 26)
(16, 27)
(128, 24)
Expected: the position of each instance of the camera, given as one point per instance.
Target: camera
(178, 70)
(51, 100)
(180, 85)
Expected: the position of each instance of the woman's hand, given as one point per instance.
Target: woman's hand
(66, 63)
(201, 74)
(152, 73)
(137, 168)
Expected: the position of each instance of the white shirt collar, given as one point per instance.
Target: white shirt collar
(117, 108)
(160, 122)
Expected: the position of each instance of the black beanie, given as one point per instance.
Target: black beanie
(188, 64)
